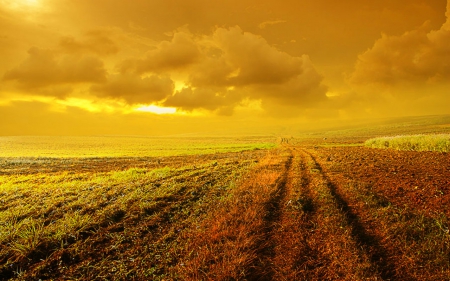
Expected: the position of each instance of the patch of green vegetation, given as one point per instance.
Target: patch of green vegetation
(125, 146)
(440, 142)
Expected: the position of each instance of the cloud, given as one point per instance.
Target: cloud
(246, 63)
(302, 90)
(214, 99)
(219, 71)
(407, 74)
(268, 23)
(96, 41)
(178, 53)
(46, 67)
(417, 57)
(134, 89)
(254, 60)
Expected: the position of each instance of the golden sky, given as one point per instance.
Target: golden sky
(158, 67)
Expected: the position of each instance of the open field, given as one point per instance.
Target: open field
(306, 209)
(125, 146)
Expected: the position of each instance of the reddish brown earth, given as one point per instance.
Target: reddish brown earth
(396, 205)
(419, 180)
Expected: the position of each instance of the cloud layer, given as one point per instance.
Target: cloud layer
(230, 65)
(230, 60)
(134, 89)
(45, 68)
(419, 56)
(217, 71)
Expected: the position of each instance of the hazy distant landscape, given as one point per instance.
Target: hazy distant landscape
(148, 146)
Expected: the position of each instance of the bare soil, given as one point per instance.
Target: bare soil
(419, 180)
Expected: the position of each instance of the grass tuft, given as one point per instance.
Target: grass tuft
(440, 143)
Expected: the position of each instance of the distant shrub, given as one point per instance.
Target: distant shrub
(439, 142)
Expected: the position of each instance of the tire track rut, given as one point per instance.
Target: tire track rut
(291, 251)
(369, 244)
(263, 268)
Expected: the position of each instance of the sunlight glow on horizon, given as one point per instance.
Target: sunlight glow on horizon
(156, 109)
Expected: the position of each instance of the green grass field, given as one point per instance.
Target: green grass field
(126, 146)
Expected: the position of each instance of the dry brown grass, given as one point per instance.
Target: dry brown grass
(228, 244)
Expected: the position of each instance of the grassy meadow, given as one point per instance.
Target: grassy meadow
(439, 142)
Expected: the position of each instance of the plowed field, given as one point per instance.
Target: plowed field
(290, 213)
(419, 180)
